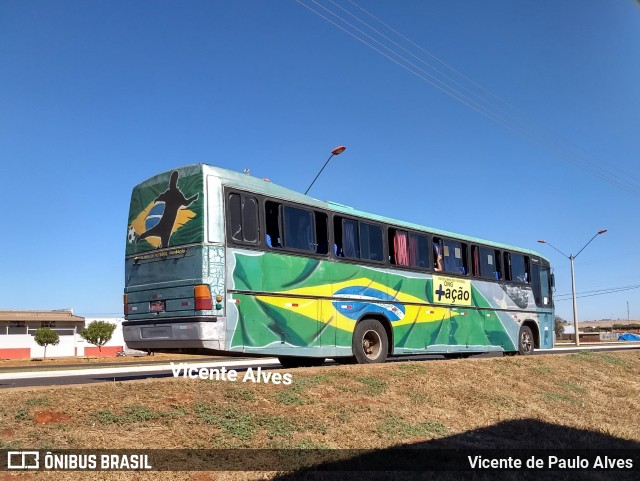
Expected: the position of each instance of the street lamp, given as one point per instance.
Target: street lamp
(337, 151)
(573, 279)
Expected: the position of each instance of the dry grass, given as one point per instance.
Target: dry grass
(563, 401)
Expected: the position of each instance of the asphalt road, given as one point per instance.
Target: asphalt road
(131, 371)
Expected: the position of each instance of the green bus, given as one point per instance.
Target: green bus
(222, 262)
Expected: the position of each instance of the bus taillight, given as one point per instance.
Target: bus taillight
(202, 295)
(125, 301)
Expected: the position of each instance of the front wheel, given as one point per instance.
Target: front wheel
(370, 344)
(525, 341)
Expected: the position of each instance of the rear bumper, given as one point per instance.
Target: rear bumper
(175, 333)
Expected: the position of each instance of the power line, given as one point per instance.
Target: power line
(476, 84)
(598, 292)
(545, 138)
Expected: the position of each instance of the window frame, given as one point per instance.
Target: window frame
(508, 271)
(537, 266)
(338, 216)
(312, 225)
(464, 255)
(315, 212)
(229, 225)
(391, 231)
(497, 254)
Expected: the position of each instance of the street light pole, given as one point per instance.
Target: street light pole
(575, 304)
(573, 279)
(336, 151)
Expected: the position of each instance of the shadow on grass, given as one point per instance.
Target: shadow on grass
(448, 457)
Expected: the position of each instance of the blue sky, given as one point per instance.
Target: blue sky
(96, 96)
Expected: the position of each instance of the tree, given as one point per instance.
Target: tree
(98, 333)
(559, 326)
(45, 336)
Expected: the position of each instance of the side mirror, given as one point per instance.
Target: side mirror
(552, 280)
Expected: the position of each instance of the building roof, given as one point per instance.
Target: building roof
(65, 315)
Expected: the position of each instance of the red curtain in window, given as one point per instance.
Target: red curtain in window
(400, 249)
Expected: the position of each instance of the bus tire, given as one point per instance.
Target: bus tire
(525, 341)
(370, 344)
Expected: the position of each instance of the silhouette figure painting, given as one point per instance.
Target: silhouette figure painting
(173, 200)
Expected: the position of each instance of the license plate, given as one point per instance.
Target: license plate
(155, 332)
(157, 306)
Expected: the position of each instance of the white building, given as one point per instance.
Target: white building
(17, 331)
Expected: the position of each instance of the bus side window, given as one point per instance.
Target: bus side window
(498, 269)
(338, 251)
(272, 219)
(454, 255)
(437, 255)
(419, 250)
(541, 283)
(519, 268)
(322, 234)
(371, 244)
(475, 262)
(299, 232)
(507, 267)
(398, 247)
(350, 241)
(243, 219)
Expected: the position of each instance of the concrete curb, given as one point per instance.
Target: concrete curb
(136, 369)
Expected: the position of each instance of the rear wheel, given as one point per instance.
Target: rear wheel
(370, 343)
(525, 341)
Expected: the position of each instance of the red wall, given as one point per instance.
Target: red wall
(107, 351)
(16, 353)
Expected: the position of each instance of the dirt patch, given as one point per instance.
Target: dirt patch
(50, 417)
(178, 399)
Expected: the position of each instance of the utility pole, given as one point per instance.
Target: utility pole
(628, 311)
(573, 279)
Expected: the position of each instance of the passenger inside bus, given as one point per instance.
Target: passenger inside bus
(270, 243)
(437, 256)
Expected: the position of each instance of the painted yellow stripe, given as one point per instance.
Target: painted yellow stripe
(326, 313)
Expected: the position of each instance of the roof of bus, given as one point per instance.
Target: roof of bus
(266, 187)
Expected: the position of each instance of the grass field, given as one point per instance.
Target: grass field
(585, 400)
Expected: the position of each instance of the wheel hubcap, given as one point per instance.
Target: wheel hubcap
(371, 345)
(526, 342)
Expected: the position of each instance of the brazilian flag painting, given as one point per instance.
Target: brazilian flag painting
(167, 211)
